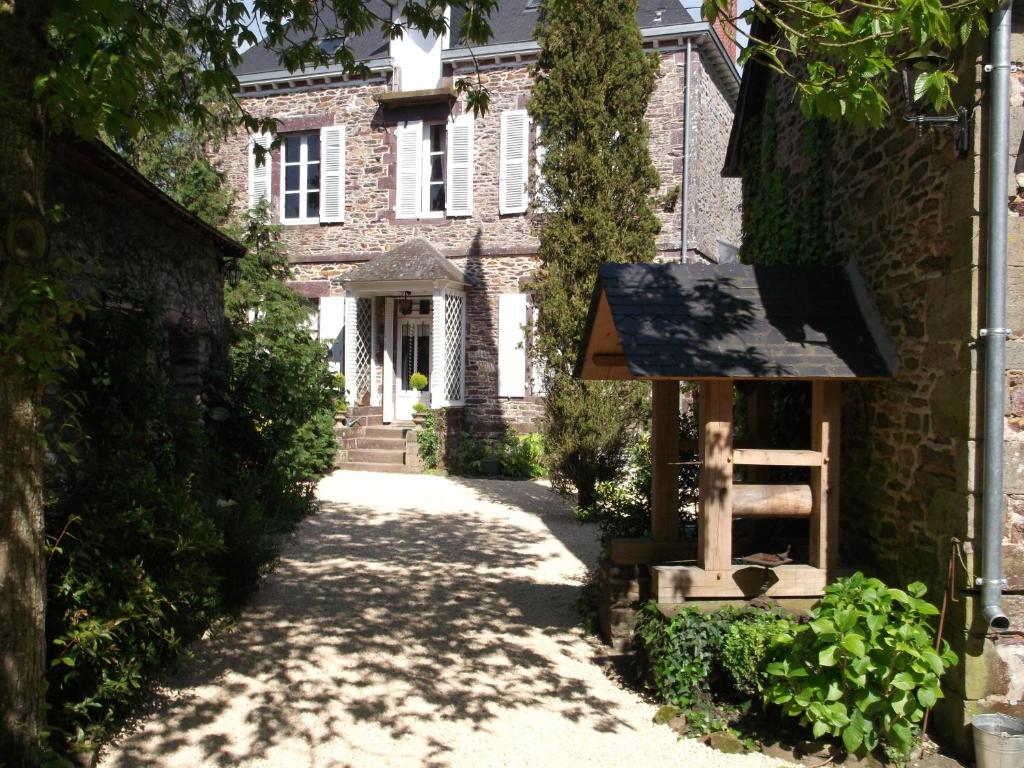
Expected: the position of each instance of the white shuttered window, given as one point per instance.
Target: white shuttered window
(460, 166)
(512, 345)
(259, 175)
(515, 148)
(408, 138)
(332, 168)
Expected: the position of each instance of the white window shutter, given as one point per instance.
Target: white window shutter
(515, 147)
(409, 167)
(512, 345)
(459, 181)
(259, 175)
(332, 173)
(332, 317)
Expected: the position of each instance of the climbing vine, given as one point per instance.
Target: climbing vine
(784, 211)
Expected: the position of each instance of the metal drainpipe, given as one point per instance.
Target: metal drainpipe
(685, 226)
(991, 581)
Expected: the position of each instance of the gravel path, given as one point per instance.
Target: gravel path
(417, 621)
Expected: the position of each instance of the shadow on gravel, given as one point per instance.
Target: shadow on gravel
(402, 620)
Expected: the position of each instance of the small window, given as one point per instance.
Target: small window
(435, 151)
(300, 179)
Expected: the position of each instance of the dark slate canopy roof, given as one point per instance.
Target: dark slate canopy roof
(415, 259)
(688, 321)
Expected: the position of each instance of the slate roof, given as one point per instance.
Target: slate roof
(512, 22)
(372, 45)
(415, 259)
(687, 321)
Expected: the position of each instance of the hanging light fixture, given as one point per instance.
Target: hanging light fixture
(405, 303)
(916, 67)
(233, 272)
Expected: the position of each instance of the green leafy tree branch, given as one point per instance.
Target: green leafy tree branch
(844, 58)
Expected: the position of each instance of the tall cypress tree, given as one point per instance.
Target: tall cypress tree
(592, 84)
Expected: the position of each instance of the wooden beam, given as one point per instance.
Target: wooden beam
(771, 501)
(664, 457)
(678, 583)
(776, 457)
(825, 417)
(714, 546)
(645, 551)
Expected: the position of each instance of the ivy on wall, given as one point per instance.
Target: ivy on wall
(784, 210)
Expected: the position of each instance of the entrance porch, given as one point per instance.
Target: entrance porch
(405, 315)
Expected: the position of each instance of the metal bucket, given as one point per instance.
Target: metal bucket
(998, 741)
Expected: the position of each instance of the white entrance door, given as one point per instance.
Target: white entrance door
(413, 357)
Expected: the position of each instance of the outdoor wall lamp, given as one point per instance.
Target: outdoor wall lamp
(405, 303)
(233, 272)
(960, 123)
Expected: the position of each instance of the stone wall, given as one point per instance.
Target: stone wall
(715, 202)
(127, 248)
(908, 212)
(370, 226)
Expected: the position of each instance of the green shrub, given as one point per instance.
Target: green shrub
(622, 507)
(746, 648)
(515, 456)
(427, 441)
(420, 408)
(864, 668)
(522, 456)
(682, 656)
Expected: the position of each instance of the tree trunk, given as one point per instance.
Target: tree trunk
(22, 542)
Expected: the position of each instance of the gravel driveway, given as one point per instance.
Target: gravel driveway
(416, 621)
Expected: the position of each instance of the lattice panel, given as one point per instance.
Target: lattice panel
(455, 347)
(361, 382)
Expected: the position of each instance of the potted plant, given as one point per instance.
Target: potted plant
(418, 381)
(419, 414)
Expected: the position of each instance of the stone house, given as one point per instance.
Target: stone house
(128, 247)
(413, 227)
(912, 216)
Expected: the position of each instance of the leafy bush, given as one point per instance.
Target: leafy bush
(522, 456)
(427, 441)
(746, 648)
(622, 507)
(420, 408)
(515, 456)
(864, 668)
(683, 655)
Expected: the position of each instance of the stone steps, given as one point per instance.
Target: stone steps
(378, 443)
(379, 448)
(365, 456)
(362, 466)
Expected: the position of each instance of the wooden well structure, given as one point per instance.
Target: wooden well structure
(720, 326)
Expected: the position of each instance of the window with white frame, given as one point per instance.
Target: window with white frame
(434, 168)
(300, 178)
(312, 176)
(434, 146)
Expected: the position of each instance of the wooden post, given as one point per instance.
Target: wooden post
(664, 458)
(714, 546)
(759, 418)
(825, 407)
